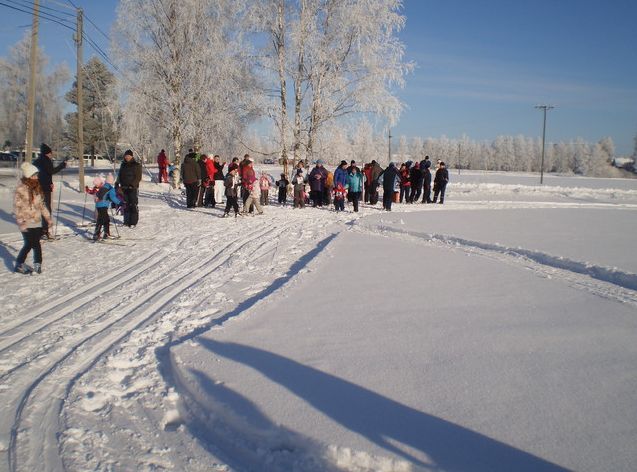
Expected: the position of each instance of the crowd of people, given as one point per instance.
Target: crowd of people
(206, 185)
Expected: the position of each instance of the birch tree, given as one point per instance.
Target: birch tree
(14, 73)
(187, 61)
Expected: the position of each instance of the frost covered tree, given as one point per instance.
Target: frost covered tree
(14, 75)
(99, 99)
(187, 60)
(341, 57)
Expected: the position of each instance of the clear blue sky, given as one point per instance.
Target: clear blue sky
(482, 64)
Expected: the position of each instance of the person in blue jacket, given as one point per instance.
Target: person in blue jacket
(354, 186)
(104, 196)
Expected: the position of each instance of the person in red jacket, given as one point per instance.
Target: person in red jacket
(209, 181)
(162, 163)
(248, 179)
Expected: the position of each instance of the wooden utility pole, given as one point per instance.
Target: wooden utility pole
(32, 74)
(389, 136)
(80, 104)
(544, 108)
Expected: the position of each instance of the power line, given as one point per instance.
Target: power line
(39, 15)
(31, 4)
(97, 27)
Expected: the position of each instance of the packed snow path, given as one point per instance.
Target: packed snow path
(91, 368)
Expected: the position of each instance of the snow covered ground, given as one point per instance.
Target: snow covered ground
(495, 332)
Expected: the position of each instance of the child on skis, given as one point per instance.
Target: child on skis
(104, 196)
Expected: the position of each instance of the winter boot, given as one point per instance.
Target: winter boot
(96, 234)
(23, 269)
(37, 268)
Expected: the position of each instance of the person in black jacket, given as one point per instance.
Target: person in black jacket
(45, 176)
(389, 183)
(440, 182)
(191, 176)
(128, 178)
(416, 179)
(425, 165)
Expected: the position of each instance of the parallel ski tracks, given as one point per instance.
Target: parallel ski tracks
(517, 258)
(37, 405)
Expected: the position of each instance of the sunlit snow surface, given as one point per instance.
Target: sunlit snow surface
(495, 332)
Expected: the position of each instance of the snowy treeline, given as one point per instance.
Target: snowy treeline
(516, 153)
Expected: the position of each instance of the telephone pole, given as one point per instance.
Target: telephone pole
(80, 104)
(544, 108)
(389, 147)
(31, 91)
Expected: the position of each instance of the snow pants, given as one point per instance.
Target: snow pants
(439, 189)
(131, 213)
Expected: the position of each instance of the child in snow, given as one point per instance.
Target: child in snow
(30, 209)
(298, 183)
(103, 198)
(264, 185)
(232, 183)
(282, 185)
(339, 197)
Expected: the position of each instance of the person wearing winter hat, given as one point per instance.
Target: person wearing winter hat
(440, 182)
(30, 209)
(128, 178)
(103, 198)
(45, 175)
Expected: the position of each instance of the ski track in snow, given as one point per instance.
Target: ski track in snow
(605, 282)
(91, 370)
(55, 356)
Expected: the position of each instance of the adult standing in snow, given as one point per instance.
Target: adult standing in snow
(128, 178)
(416, 178)
(440, 182)
(248, 179)
(390, 176)
(354, 186)
(209, 179)
(44, 164)
(218, 181)
(405, 183)
(205, 180)
(243, 165)
(426, 173)
(30, 209)
(162, 164)
(317, 179)
(374, 173)
(191, 176)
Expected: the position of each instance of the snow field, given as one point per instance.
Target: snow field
(495, 332)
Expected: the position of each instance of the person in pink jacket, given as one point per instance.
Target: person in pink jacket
(265, 181)
(30, 209)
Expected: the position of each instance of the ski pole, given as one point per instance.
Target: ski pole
(57, 213)
(84, 208)
(115, 224)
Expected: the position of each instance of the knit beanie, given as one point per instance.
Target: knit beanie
(28, 169)
(128, 153)
(44, 149)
